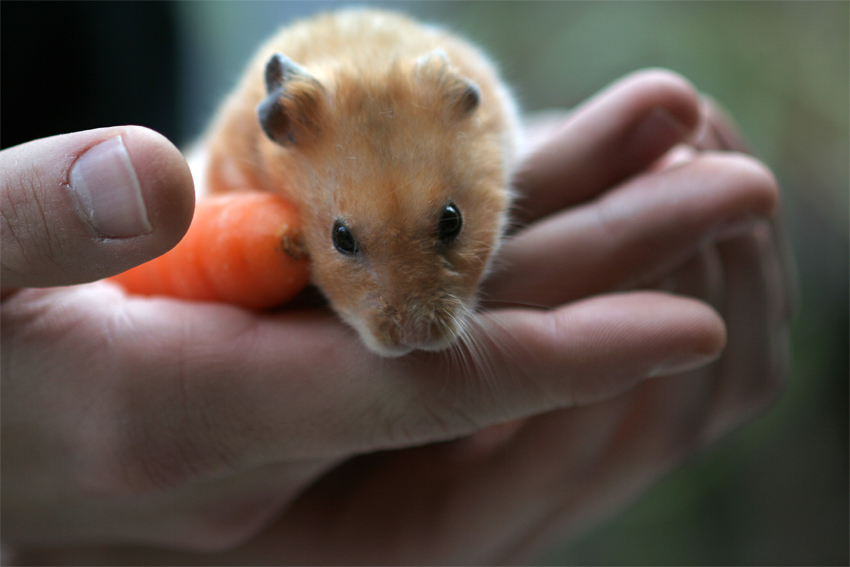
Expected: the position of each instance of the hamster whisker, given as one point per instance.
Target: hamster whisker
(481, 364)
(491, 304)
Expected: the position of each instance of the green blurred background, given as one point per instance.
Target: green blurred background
(776, 493)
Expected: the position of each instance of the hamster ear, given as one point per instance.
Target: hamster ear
(463, 94)
(291, 112)
(435, 58)
(467, 96)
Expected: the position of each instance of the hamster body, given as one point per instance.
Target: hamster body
(395, 141)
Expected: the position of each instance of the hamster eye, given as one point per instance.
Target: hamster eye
(450, 223)
(343, 240)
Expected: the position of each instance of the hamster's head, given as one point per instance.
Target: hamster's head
(402, 187)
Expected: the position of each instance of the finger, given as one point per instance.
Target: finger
(595, 460)
(639, 436)
(616, 134)
(82, 206)
(724, 134)
(717, 129)
(282, 405)
(572, 456)
(753, 369)
(633, 235)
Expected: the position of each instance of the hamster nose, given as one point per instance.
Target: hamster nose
(417, 333)
(418, 325)
(426, 333)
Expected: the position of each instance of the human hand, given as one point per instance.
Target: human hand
(194, 426)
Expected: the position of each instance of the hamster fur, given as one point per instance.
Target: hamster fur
(396, 143)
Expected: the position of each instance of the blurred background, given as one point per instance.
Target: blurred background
(777, 492)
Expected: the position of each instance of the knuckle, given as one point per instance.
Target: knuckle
(662, 87)
(661, 78)
(752, 178)
(754, 171)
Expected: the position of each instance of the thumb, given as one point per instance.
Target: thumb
(83, 206)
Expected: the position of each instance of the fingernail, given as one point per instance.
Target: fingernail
(683, 363)
(107, 192)
(658, 128)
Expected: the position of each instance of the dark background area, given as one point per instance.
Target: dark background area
(69, 66)
(775, 493)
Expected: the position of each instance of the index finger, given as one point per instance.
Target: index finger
(249, 391)
(616, 134)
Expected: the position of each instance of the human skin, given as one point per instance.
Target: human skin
(639, 312)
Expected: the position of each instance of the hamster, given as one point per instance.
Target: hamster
(396, 143)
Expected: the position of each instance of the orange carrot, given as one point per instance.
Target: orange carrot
(242, 248)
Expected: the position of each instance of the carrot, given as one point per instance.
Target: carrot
(242, 248)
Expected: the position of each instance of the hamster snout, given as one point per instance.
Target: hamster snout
(428, 320)
(395, 330)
